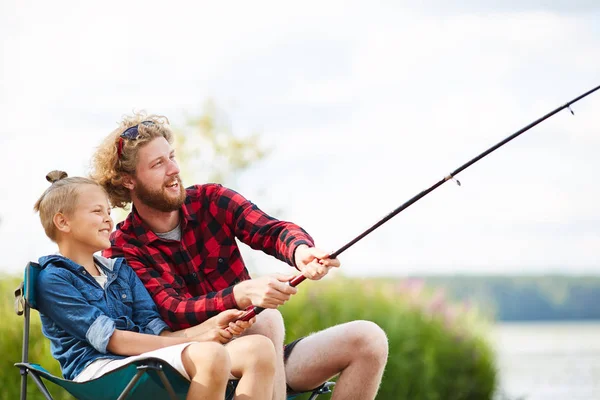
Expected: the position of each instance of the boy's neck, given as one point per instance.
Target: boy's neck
(80, 256)
(158, 221)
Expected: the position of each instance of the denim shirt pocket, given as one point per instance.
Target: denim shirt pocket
(93, 294)
(122, 301)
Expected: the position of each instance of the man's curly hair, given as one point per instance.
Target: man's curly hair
(108, 167)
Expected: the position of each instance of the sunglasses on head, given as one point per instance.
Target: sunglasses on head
(131, 133)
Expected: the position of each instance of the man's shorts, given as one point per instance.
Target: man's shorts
(287, 350)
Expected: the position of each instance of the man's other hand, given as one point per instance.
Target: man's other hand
(314, 263)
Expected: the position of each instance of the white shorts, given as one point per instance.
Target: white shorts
(171, 355)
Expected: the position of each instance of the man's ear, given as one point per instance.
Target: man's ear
(128, 182)
(61, 223)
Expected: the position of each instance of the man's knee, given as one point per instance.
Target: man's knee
(208, 359)
(367, 340)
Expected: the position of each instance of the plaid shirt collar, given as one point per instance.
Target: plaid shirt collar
(143, 231)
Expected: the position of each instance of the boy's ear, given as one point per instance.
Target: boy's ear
(61, 223)
(128, 182)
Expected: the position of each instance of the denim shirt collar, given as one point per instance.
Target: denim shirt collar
(110, 266)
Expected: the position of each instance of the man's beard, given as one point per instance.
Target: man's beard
(159, 199)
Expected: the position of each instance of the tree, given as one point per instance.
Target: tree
(209, 151)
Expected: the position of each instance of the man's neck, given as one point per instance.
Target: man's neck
(158, 221)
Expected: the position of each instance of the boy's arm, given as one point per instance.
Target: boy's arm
(127, 343)
(145, 313)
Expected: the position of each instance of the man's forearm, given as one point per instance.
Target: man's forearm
(301, 246)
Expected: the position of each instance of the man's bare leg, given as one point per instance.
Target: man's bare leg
(356, 350)
(269, 323)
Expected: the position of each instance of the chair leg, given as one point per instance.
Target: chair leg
(41, 386)
(131, 384)
(25, 351)
(23, 372)
(167, 384)
(313, 395)
(323, 389)
(231, 386)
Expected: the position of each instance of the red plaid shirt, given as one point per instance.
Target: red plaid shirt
(192, 280)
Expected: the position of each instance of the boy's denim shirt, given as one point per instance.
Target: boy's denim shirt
(79, 317)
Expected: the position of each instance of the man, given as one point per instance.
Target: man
(181, 243)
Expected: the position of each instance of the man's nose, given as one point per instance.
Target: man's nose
(173, 168)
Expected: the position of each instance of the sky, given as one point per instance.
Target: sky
(363, 105)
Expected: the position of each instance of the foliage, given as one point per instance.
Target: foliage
(437, 350)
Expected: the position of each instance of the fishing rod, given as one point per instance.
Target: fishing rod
(298, 279)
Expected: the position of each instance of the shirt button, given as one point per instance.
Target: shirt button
(220, 260)
(84, 272)
(124, 296)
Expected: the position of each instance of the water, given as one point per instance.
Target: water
(548, 361)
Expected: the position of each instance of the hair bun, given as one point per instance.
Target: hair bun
(56, 175)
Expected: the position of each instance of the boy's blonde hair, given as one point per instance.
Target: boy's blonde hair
(117, 156)
(60, 197)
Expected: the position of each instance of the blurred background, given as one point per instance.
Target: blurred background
(331, 115)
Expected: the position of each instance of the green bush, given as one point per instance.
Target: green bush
(436, 349)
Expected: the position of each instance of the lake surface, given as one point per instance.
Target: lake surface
(548, 361)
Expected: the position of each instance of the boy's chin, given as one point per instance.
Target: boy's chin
(103, 246)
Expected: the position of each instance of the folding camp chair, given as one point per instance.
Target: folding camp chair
(150, 378)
